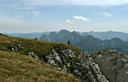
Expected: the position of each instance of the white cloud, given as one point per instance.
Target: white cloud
(11, 20)
(14, 24)
(69, 21)
(107, 14)
(77, 18)
(81, 18)
(78, 2)
(22, 7)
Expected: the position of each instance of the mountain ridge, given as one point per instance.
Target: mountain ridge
(88, 43)
(106, 35)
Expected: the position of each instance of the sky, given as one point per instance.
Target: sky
(25, 16)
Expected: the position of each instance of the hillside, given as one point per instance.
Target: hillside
(61, 57)
(15, 67)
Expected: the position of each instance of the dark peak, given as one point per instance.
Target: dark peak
(64, 31)
(68, 32)
(74, 32)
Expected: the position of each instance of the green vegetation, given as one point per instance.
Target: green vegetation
(17, 67)
(40, 48)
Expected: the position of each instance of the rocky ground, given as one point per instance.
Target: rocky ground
(105, 66)
(80, 65)
(113, 64)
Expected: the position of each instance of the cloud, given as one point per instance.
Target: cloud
(11, 20)
(14, 24)
(81, 18)
(107, 14)
(69, 21)
(77, 18)
(11, 24)
(78, 2)
(33, 3)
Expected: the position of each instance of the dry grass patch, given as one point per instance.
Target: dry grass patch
(15, 67)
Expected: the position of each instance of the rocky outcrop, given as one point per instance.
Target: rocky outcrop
(68, 60)
(113, 64)
(80, 65)
(15, 48)
(32, 55)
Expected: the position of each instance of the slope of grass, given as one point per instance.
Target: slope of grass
(40, 48)
(15, 67)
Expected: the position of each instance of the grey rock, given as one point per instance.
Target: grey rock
(16, 47)
(32, 55)
(86, 69)
(68, 52)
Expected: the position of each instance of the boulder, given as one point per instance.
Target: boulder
(16, 47)
(33, 55)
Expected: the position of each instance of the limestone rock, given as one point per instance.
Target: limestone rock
(86, 69)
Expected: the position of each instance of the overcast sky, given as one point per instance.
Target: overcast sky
(53, 15)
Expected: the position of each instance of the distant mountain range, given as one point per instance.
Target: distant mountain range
(86, 42)
(106, 35)
(100, 35)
